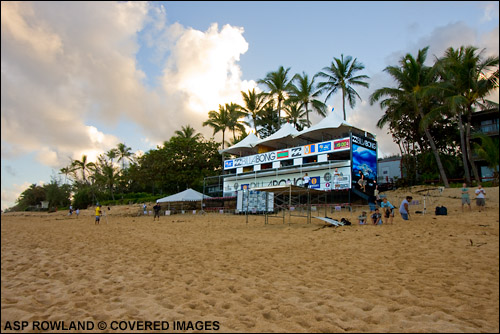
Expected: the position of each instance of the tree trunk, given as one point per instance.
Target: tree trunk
(469, 151)
(436, 153)
(343, 103)
(464, 150)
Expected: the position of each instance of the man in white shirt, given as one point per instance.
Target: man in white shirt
(480, 197)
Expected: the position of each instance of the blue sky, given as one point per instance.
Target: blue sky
(81, 77)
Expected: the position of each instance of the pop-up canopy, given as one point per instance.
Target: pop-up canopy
(188, 195)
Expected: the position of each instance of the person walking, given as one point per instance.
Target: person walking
(404, 208)
(465, 196)
(480, 196)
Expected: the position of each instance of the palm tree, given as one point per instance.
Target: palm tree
(413, 79)
(187, 132)
(234, 115)
(466, 80)
(488, 151)
(254, 104)
(124, 153)
(219, 121)
(278, 85)
(295, 114)
(303, 91)
(83, 166)
(341, 76)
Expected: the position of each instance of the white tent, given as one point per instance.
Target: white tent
(244, 147)
(330, 128)
(188, 195)
(282, 138)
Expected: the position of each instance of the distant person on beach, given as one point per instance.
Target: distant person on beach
(465, 196)
(362, 218)
(388, 210)
(480, 197)
(376, 217)
(144, 209)
(77, 212)
(362, 181)
(307, 179)
(98, 213)
(376, 193)
(157, 209)
(404, 209)
(70, 210)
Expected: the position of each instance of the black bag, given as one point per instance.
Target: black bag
(345, 221)
(441, 211)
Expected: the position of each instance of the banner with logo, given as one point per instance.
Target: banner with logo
(332, 146)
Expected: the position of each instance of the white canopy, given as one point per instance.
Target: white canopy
(242, 147)
(283, 137)
(188, 195)
(329, 128)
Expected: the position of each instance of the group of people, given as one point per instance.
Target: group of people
(480, 197)
(77, 211)
(387, 211)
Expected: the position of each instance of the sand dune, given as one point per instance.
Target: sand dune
(429, 274)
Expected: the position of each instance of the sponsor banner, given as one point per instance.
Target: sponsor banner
(364, 142)
(319, 179)
(325, 147)
(282, 154)
(342, 144)
(315, 182)
(310, 149)
(290, 153)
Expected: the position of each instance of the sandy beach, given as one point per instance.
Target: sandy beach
(429, 274)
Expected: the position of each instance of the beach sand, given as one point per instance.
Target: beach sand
(428, 274)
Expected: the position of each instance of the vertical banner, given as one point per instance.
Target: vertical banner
(364, 160)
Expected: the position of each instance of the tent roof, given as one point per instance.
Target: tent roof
(282, 138)
(330, 128)
(188, 195)
(243, 147)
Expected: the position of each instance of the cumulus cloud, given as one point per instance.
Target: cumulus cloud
(69, 67)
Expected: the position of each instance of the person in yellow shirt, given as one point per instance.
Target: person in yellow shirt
(98, 213)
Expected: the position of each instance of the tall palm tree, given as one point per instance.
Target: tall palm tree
(340, 75)
(278, 85)
(467, 80)
(187, 132)
(254, 104)
(412, 78)
(295, 114)
(235, 115)
(124, 153)
(303, 90)
(219, 121)
(83, 166)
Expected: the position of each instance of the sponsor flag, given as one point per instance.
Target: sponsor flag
(324, 147)
(282, 154)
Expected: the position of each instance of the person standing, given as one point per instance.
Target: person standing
(465, 196)
(157, 209)
(404, 209)
(98, 213)
(307, 179)
(144, 209)
(376, 193)
(388, 210)
(480, 196)
(77, 212)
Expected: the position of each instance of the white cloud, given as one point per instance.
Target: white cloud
(67, 68)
